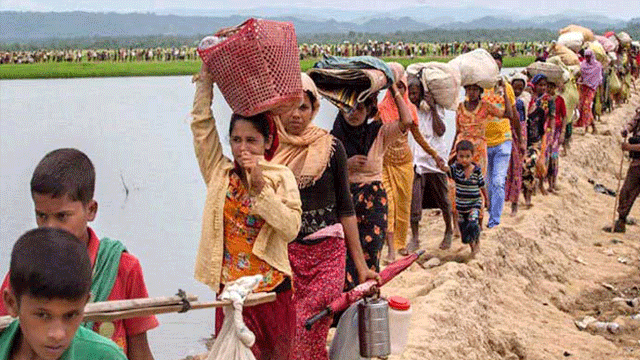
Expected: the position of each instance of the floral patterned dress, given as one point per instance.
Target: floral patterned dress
(240, 232)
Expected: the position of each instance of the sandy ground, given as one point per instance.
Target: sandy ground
(536, 273)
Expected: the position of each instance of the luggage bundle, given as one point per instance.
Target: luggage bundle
(553, 72)
(441, 80)
(587, 34)
(567, 55)
(477, 68)
(573, 40)
(345, 82)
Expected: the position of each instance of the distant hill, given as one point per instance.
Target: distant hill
(29, 26)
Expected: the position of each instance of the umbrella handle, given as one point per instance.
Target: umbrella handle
(312, 320)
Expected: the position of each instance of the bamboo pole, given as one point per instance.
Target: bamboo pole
(126, 309)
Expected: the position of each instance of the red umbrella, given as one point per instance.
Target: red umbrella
(366, 288)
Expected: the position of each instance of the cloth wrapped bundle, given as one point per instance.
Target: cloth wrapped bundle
(553, 72)
(345, 82)
(441, 80)
(599, 51)
(573, 40)
(606, 43)
(625, 39)
(586, 33)
(477, 68)
(567, 55)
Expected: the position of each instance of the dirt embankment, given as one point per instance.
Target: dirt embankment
(536, 273)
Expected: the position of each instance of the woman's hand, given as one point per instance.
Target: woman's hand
(368, 274)
(356, 162)
(250, 163)
(431, 101)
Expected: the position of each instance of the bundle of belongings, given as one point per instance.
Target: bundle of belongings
(441, 80)
(345, 82)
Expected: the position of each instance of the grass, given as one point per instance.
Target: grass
(143, 68)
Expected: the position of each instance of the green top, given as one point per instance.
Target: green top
(85, 345)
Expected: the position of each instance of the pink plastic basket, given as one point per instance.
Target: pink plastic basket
(257, 66)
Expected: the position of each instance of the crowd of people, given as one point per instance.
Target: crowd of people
(309, 210)
(370, 48)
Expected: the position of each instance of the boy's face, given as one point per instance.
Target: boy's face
(464, 157)
(47, 325)
(63, 213)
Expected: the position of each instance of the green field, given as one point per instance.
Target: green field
(108, 69)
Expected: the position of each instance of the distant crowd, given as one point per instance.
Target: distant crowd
(371, 48)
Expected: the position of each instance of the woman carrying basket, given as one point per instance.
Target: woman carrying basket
(317, 255)
(365, 143)
(252, 212)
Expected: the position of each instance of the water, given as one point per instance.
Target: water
(136, 132)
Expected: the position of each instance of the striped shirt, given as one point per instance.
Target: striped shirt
(468, 194)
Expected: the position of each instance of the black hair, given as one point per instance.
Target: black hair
(65, 172)
(50, 263)
(523, 82)
(371, 103)
(312, 98)
(464, 145)
(259, 122)
(475, 85)
(497, 55)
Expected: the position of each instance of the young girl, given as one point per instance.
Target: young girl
(365, 143)
(252, 212)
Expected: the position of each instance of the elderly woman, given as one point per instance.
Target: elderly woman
(317, 255)
(252, 212)
(365, 142)
(590, 79)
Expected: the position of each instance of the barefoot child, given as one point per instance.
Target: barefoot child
(50, 286)
(62, 188)
(470, 189)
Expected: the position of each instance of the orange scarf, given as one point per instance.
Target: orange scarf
(387, 109)
(307, 154)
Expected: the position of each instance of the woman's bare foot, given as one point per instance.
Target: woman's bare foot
(391, 257)
(446, 242)
(542, 189)
(514, 209)
(403, 252)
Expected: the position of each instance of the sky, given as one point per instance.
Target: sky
(620, 9)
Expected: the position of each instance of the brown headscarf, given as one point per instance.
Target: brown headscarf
(307, 154)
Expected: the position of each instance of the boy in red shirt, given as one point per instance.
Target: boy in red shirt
(62, 188)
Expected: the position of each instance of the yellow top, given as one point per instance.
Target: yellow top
(278, 204)
(498, 128)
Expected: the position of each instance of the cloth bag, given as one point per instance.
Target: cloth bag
(572, 40)
(345, 344)
(441, 80)
(235, 340)
(567, 55)
(586, 33)
(477, 67)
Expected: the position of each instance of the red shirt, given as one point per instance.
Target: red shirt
(561, 111)
(129, 284)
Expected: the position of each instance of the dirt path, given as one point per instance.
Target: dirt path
(536, 273)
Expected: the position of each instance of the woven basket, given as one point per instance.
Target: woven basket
(257, 66)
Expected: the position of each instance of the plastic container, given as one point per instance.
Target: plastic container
(373, 328)
(399, 322)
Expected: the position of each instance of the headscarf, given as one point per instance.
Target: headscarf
(357, 140)
(591, 70)
(387, 109)
(307, 154)
(536, 79)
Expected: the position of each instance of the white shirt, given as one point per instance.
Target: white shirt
(423, 162)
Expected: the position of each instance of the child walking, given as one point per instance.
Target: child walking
(470, 189)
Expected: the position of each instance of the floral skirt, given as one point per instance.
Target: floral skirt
(370, 202)
(587, 95)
